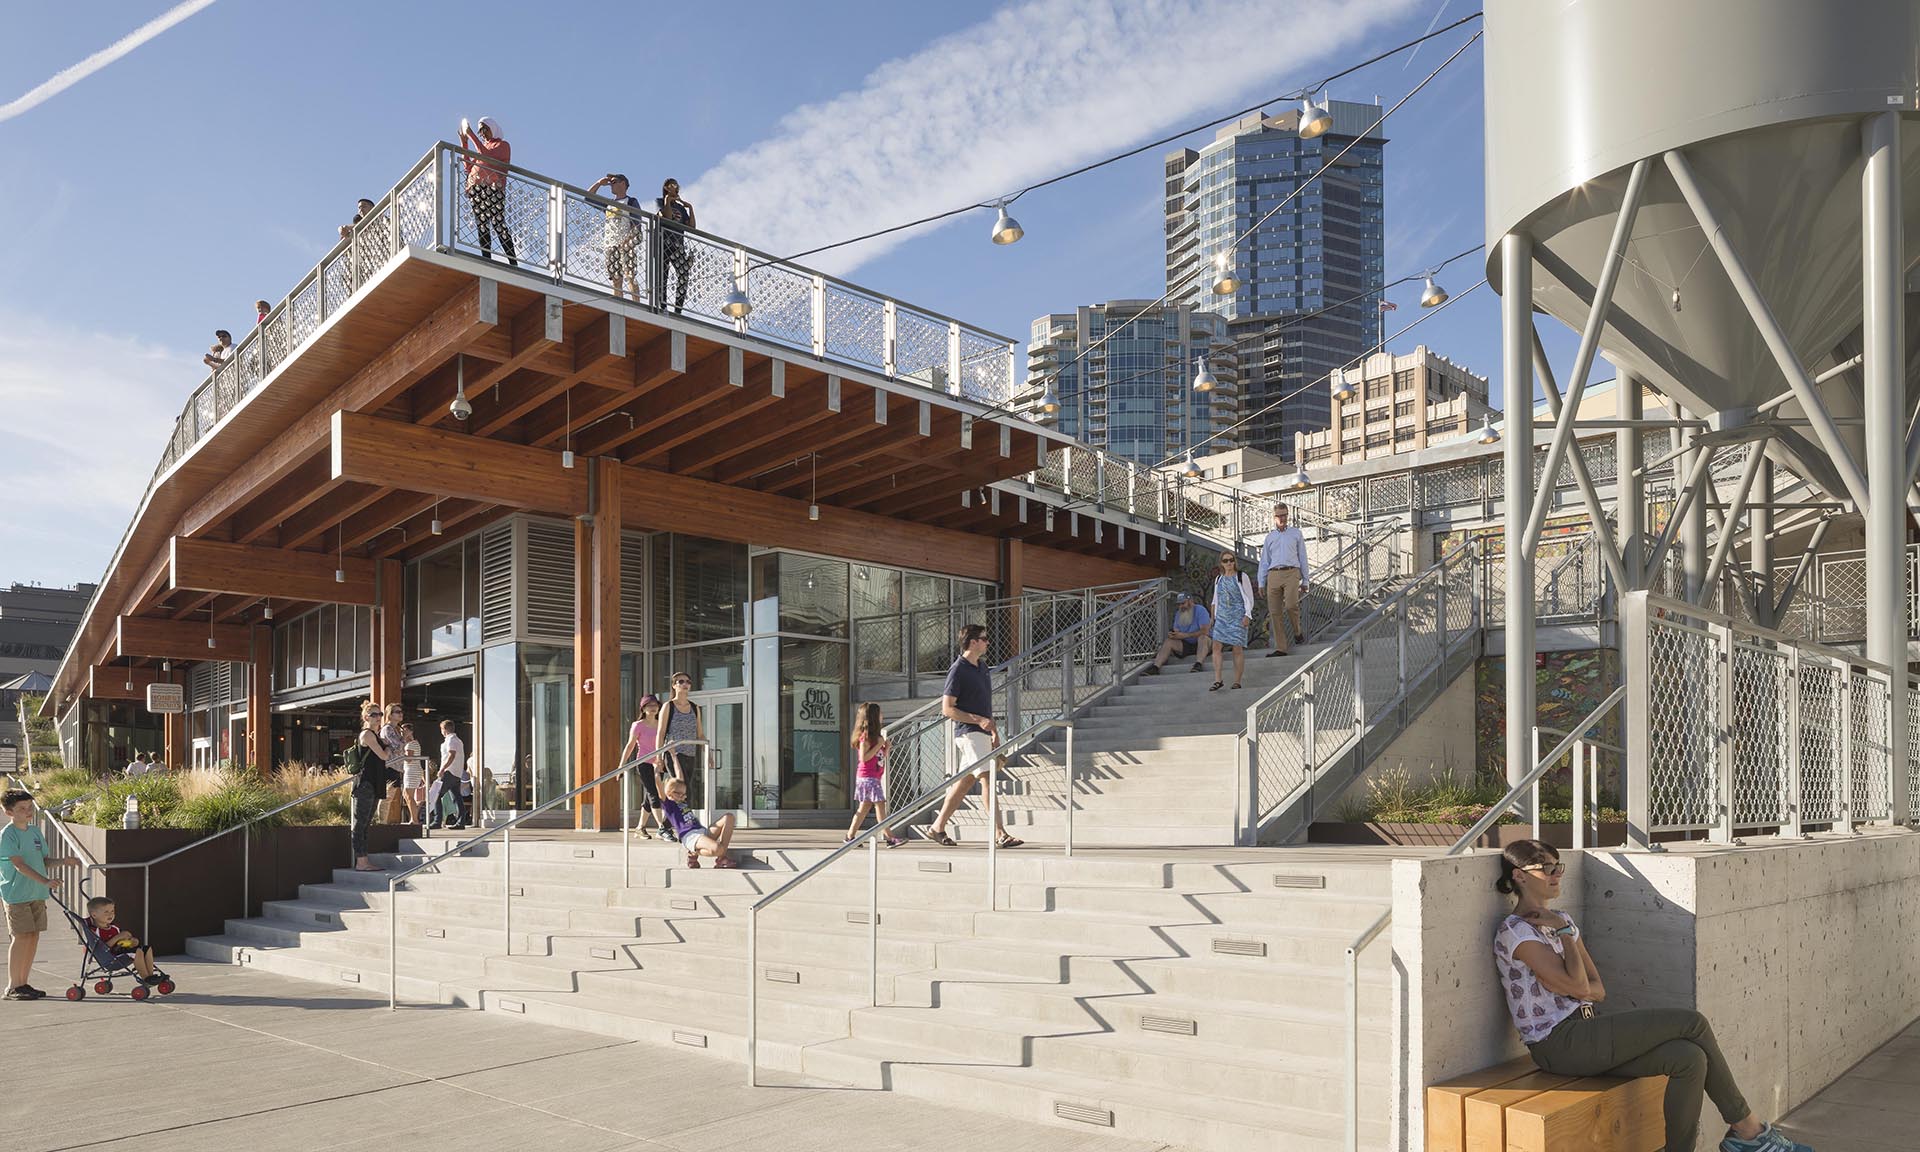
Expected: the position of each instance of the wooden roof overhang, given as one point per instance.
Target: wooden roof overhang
(346, 452)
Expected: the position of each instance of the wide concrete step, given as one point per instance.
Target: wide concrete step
(1132, 1110)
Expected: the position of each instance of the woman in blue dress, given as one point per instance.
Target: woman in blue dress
(1232, 617)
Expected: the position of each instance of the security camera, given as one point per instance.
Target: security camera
(461, 408)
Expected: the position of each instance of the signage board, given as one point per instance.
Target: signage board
(164, 698)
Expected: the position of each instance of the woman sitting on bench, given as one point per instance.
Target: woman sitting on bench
(1552, 985)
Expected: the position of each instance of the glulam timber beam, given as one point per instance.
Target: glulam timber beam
(449, 464)
(804, 411)
(705, 383)
(312, 525)
(307, 485)
(365, 529)
(749, 467)
(140, 636)
(467, 314)
(538, 327)
(765, 387)
(249, 570)
(110, 681)
(601, 343)
(653, 364)
(879, 441)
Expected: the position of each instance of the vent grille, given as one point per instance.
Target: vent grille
(1298, 880)
(549, 581)
(783, 975)
(679, 904)
(861, 917)
(1083, 1113)
(513, 1006)
(350, 977)
(601, 953)
(200, 684)
(691, 1039)
(1170, 1025)
(435, 933)
(633, 589)
(496, 583)
(935, 866)
(1229, 947)
(583, 853)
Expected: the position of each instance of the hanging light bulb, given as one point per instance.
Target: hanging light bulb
(1315, 119)
(566, 461)
(267, 612)
(435, 526)
(1300, 481)
(813, 511)
(1343, 389)
(1006, 230)
(1432, 296)
(1191, 471)
(1488, 434)
(1223, 281)
(1049, 399)
(1203, 380)
(736, 306)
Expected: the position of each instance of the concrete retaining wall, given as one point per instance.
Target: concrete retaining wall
(1802, 954)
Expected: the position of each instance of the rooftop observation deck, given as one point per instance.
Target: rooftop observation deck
(327, 443)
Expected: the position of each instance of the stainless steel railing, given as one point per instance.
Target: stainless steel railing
(624, 773)
(871, 839)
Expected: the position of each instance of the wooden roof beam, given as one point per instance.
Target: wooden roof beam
(310, 525)
(741, 436)
(746, 468)
(653, 364)
(178, 639)
(601, 343)
(765, 386)
(705, 383)
(447, 464)
(247, 570)
(306, 485)
(110, 681)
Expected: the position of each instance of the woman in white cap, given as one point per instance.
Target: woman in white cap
(487, 184)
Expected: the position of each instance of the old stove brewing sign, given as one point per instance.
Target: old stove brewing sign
(166, 698)
(816, 727)
(816, 706)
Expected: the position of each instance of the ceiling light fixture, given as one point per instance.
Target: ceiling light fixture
(813, 509)
(461, 407)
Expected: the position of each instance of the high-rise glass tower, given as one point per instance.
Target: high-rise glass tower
(1133, 393)
(1325, 248)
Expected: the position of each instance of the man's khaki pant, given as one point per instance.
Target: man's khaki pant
(1283, 606)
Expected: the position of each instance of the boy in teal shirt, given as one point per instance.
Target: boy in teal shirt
(24, 889)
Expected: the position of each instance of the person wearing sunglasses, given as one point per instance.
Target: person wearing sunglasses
(1552, 986)
(680, 720)
(1232, 618)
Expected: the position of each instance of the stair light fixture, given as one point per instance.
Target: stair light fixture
(461, 407)
(1315, 119)
(1203, 380)
(1006, 230)
(1432, 296)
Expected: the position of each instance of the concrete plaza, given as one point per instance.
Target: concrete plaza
(239, 1058)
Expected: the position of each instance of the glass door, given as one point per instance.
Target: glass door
(723, 716)
(552, 737)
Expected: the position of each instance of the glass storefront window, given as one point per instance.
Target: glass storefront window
(441, 623)
(470, 592)
(804, 594)
(712, 667)
(806, 765)
(328, 621)
(527, 717)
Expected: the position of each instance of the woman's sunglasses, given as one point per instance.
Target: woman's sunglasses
(1546, 869)
(1226, 561)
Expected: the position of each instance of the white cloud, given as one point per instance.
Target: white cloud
(67, 77)
(1037, 88)
(87, 414)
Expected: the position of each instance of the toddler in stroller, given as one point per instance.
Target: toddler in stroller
(107, 950)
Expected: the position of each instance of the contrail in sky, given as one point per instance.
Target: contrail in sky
(68, 77)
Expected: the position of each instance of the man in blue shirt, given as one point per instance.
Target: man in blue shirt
(1283, 573)
(24, 889)
(967, 700)
(1188, 631)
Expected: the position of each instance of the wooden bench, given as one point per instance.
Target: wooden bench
(1515, 1107)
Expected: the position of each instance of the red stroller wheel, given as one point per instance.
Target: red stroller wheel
(139, 992)
(165, 988)
(76, 993)
(103, 987)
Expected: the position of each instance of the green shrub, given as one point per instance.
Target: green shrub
(236, 800)
(45, 762)
(1391, 797)
(158, 796)
(60, 785)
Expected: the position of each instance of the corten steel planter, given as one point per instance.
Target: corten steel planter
(197, 892)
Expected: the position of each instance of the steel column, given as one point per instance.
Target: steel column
(1630, 487)
(1636, 676)
(1516, 375)
(1692, 516)
(1760, 546)
(1882, 253)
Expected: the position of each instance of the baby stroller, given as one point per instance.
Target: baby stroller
(101, 963)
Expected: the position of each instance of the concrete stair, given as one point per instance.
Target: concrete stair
(1190, 999)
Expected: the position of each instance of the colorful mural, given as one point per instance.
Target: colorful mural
(1567, 685)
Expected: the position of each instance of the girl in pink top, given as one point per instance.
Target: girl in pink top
(869, 783)
(642, 739)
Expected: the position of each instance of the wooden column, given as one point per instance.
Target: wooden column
(173, 731)
(389, 616)
(596, 651)
(1013, 563)
(259, 751)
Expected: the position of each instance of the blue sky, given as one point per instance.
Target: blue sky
(155, 199)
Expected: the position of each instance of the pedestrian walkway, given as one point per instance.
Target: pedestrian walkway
(245, 1059)
(1872, 1108)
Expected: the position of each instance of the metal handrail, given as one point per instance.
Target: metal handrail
(505, 831)
(871, 839)
(1531, 780)
(50, 821)
(246, 858)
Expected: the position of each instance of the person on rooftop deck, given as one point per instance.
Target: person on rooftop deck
(676, 216)
(621, 239)
(487, 184)
(221, 352)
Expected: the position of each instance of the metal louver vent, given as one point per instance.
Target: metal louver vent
(633, 588)
(1083, 1113)
(1229, 947)
(496, 583)
(1171, 1025)
(1298, 880)
(200, 684)
(548, 576)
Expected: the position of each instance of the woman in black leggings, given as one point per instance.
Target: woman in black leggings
(368, 760)
(1551, 986)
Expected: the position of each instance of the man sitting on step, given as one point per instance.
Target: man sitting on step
(1188, 634)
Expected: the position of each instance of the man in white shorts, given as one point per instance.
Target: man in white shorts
(967, 700)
